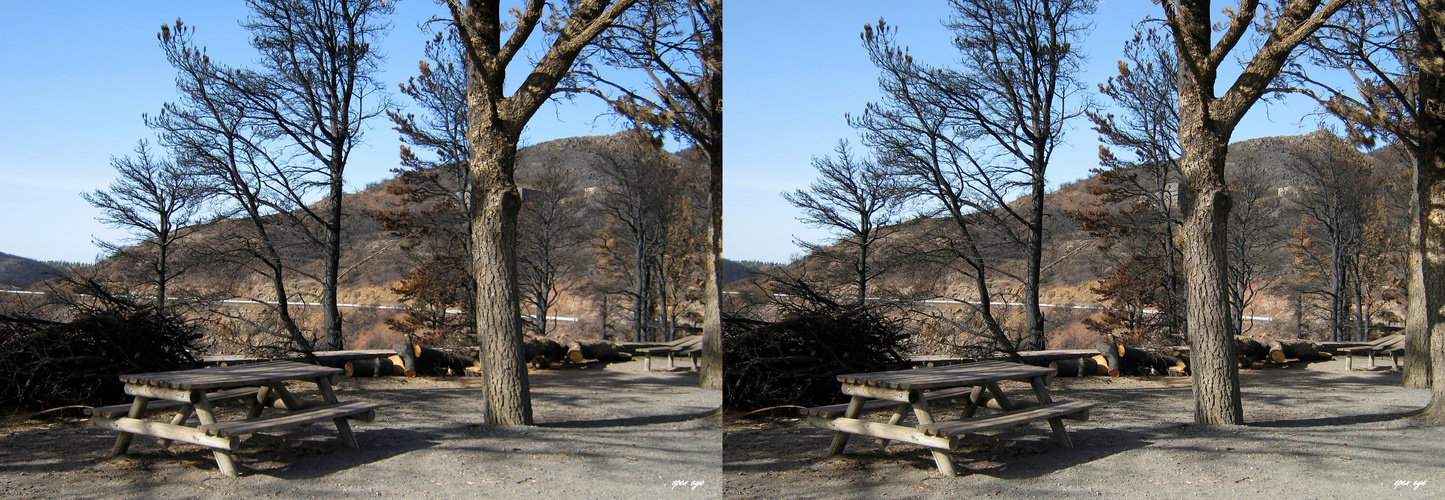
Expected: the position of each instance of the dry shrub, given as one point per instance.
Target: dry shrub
(50, 364)
(795, 361)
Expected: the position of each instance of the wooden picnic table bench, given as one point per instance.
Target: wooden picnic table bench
(196, 391)
(905, 389)
(686, 346)
(1394, 345)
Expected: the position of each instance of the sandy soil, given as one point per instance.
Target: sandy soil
(603, 432)
(1314, 431)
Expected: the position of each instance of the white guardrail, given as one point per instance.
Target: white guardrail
(562, 319)
(1006, 304)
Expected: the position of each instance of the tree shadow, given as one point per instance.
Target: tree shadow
(376, 445)
(631, 421)
(1336, 420)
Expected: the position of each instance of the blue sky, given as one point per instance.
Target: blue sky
(795, 68)
(77, 75)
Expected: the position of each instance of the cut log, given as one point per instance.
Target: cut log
(1303, 350)
(1111, 357)
(396, 365)
(1142, 361)
(1249, 350)
(437, 362)
(1276, 351)
(603, 350)
(574, 350)
(408, 358)
(1101, 365)
(1075, 367)
(543, 351)
(375, 367)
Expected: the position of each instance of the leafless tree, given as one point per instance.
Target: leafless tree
(639, 199)
(159, 203)
(216, 142)
(1380, 45)
(677, 44)
(1008, 104)
(316, 88)
(1255, 237)
(911, 134)
(551, 229)
(858, 202)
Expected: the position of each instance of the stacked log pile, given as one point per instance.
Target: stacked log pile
(542, 352)
(411, 360)
(1252, 351)
(1116, 360)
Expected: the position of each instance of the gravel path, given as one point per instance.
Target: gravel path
(612, 432)
(1314, 431)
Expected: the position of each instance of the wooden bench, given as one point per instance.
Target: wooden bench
(1394, 345)
(117, 411)
(956, 429)
(835, 411)
(359, 410)
(689, 346)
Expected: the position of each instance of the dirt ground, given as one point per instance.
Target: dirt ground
(602, 432)
(1315, 431)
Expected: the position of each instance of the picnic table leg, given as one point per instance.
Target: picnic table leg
(1041, 390)
(285, 395)
(999, 396)
(259, 403)
(137, 408)
(898, 414)
(973, 399)
(840, 439)
(343, 428)
(180, 418)
(206, 414)
(925, 417)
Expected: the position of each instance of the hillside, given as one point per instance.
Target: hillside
(19, 273)
(373, 260)
(1072, 259)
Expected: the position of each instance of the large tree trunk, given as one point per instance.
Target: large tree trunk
(330, 279)
(1033, 316)
(1416, 373)
(1430, 186)
(496, 201)
(711, 376)
(1206, 215)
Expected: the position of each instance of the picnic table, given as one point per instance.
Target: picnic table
(905, 389)
(196, 391)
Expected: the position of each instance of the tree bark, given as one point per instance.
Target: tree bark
(1033, 316)
(1416, 373)
(1205, 125)
(330, 278)
(711, 376)
(1430, 189)
(1206, 214)
(496, 203)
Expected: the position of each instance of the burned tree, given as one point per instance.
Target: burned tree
(857, 201)
(154, 198)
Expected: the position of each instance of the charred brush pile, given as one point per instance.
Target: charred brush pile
(796, 361)
(49, 364)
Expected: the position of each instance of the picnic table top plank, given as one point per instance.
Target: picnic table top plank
(947, 376)
(255, 374)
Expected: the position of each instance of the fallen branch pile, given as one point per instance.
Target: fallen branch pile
(49, 364)
(796, 361)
